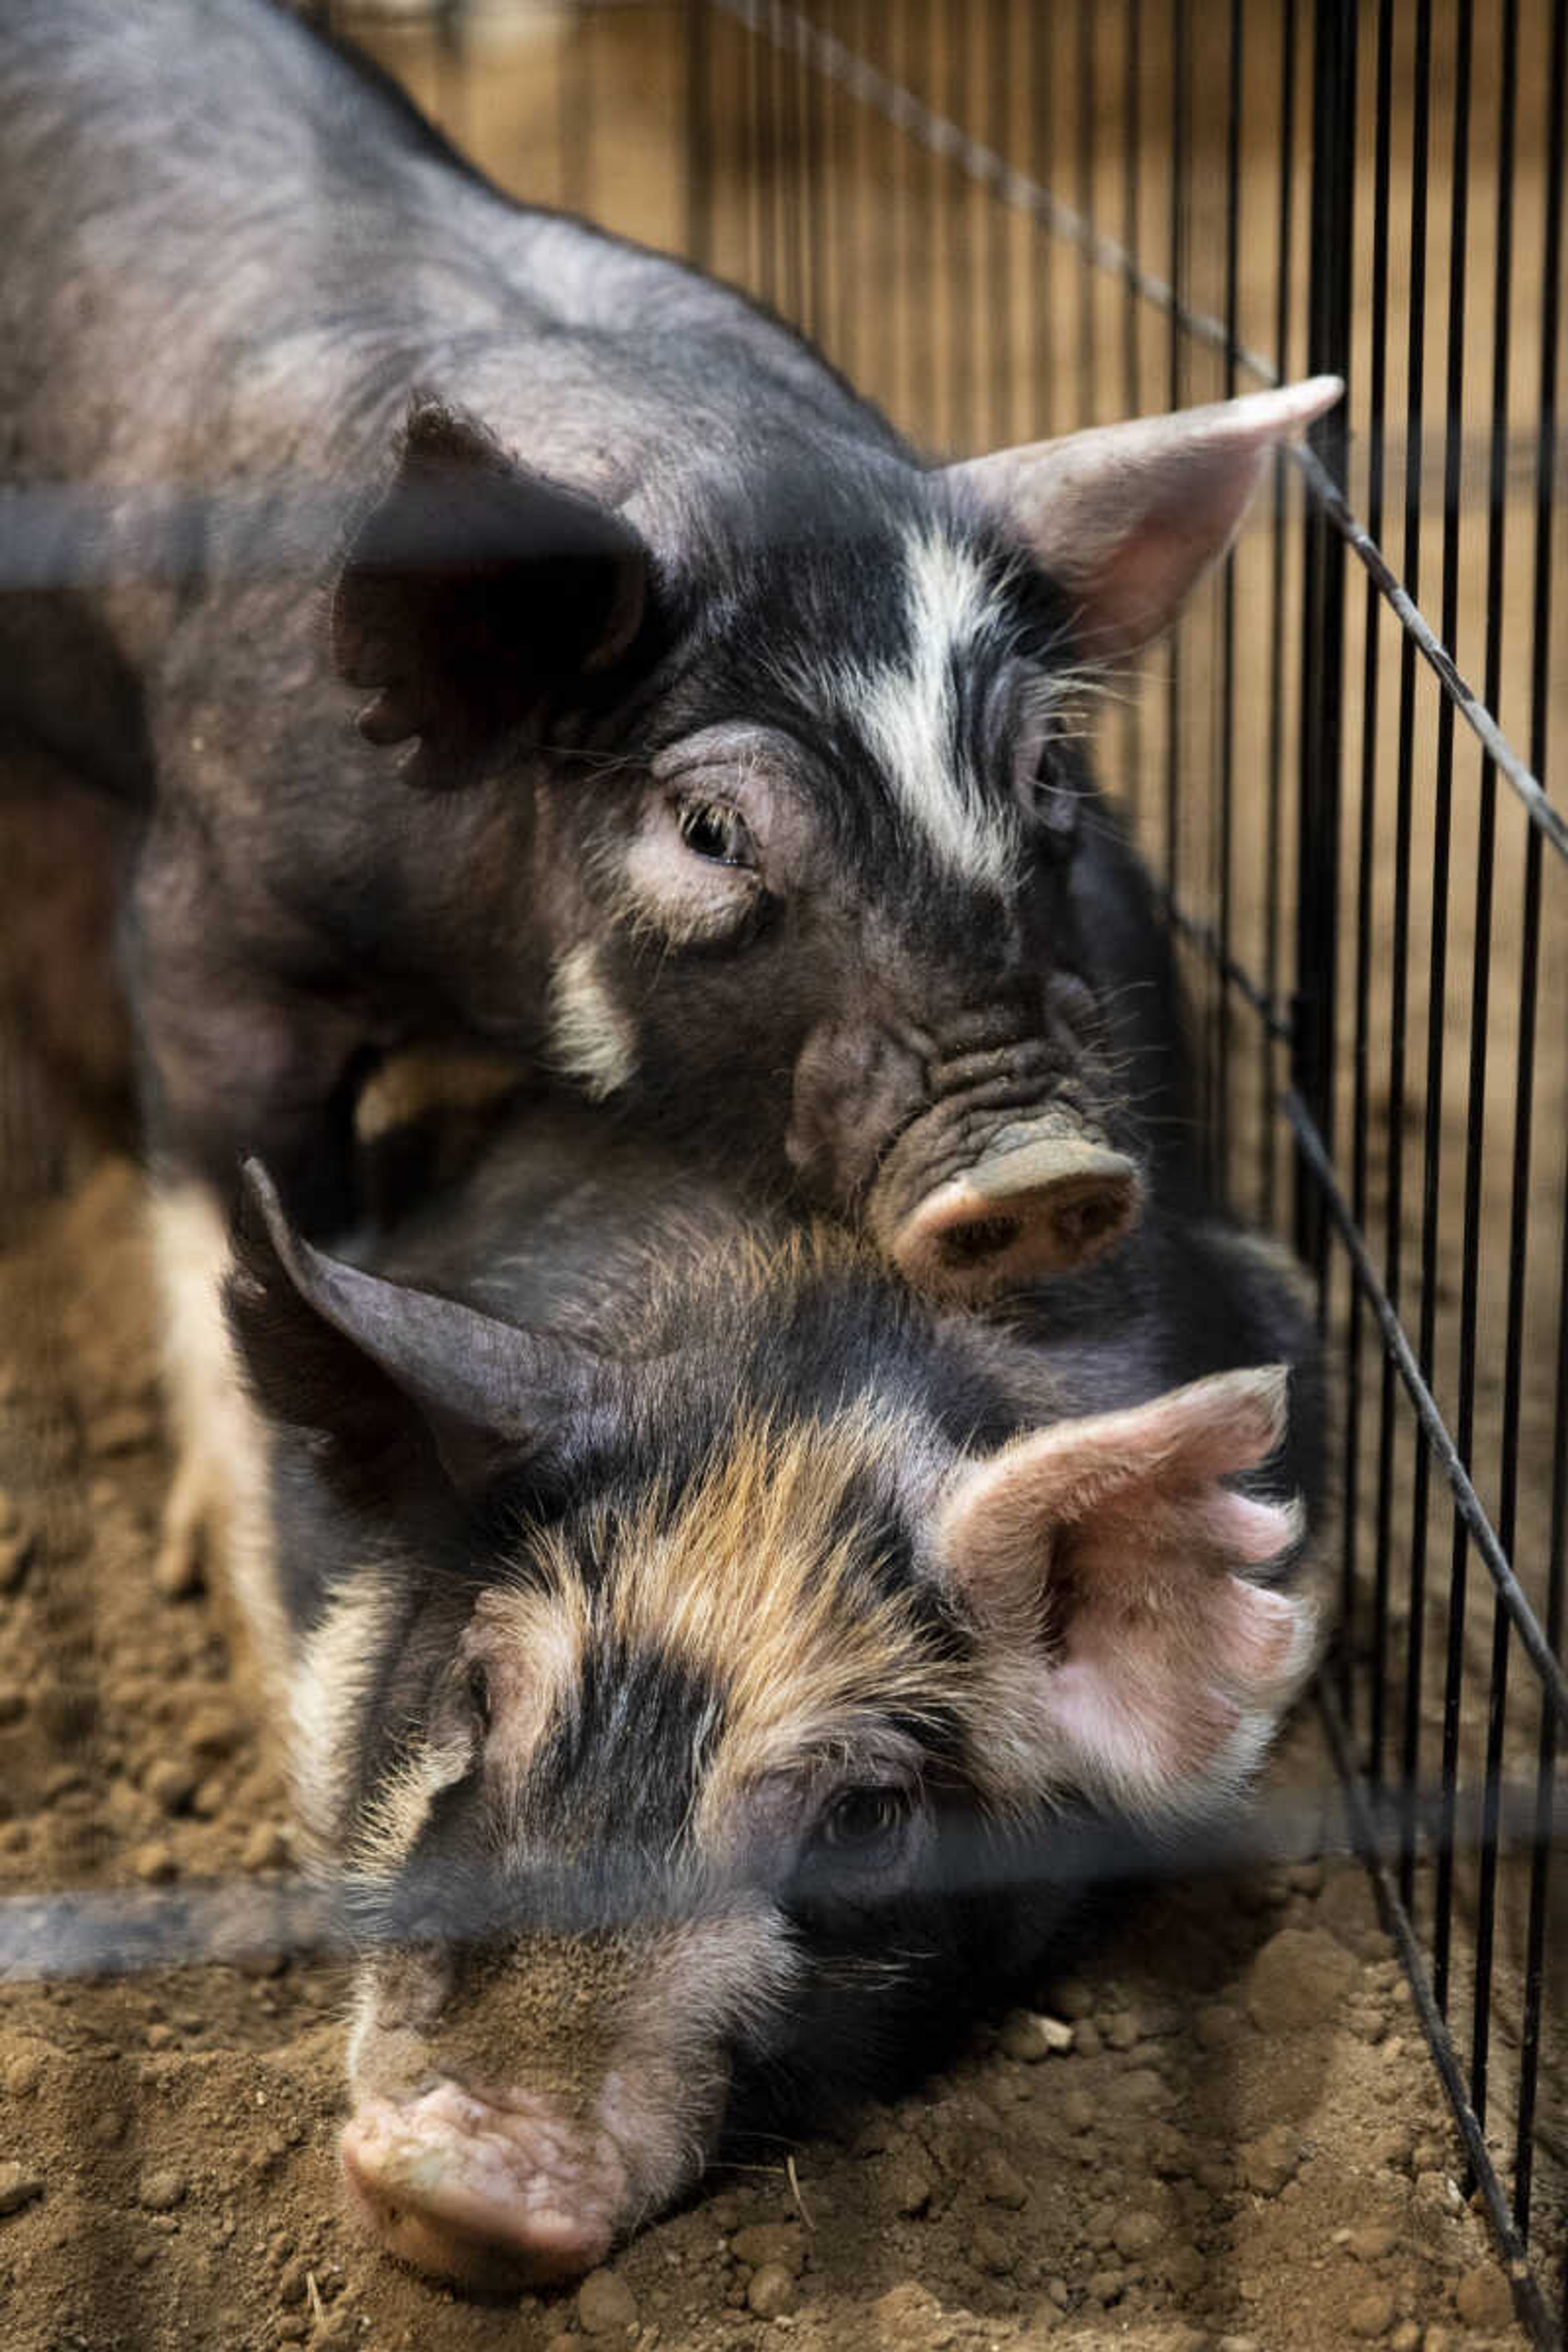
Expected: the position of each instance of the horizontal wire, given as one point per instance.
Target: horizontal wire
(102, 1931)
(1274, 1016)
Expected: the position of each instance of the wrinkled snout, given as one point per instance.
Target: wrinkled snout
(1039, 1200)
(971, 1146)
(484, 2194)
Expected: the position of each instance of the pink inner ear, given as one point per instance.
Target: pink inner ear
(1163, 1656)
(1137, 591)
(1162, 1664)
(1128, 517)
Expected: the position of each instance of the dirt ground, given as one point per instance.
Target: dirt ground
(1244, 2144)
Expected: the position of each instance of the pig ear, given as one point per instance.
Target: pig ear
(474, 594)
(1127, 518)
(384, 1373)
(1108, 1566)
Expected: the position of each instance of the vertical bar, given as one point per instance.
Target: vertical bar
(1217, 1135)
(1181, 111)
(1360, 1115)
(796, 196)
(1481, 974)
(763, 62)
(816, 178)
(1322, 644)
(1415, 426)
(575, 97)
(452, 84)
(934, 244)
(1542, 665)
(1274, 812)
(957, 196)
(1000, 219)
(914, 233)
(852, 263)
(918, 184)
(1437, 1011)
(1042, 163)
(1083, 196)
(1132, 373)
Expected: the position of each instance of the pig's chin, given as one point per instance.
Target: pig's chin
(486, 2195)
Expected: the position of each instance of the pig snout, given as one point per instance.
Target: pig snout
(518, 2108)
(995, 1172)
(481, 2193)
(1043, 1196)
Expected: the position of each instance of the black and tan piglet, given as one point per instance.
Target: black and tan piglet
(697, 1646)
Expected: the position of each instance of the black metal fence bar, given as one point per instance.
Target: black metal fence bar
(1535, 1959)
(1360, 1121)
(1436, 999)
(1480, 998)
(1322, 598)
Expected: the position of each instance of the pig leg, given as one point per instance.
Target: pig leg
(215, 1515)
(226, 1075)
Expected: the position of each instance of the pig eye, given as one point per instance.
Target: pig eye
(865, 1824)
(479, 1694)
(712, 830)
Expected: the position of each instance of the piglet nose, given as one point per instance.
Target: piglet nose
(1046, 1206)
(487, 2200)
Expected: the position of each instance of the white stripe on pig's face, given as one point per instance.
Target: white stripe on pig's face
(909, 712)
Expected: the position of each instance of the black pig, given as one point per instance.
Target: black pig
(719, 754)
(695, 1642)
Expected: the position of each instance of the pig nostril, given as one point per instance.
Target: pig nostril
(1048, 1205)
(981, 1238)
(1083, 1223)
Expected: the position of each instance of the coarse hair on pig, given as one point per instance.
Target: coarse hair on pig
(699, 1698)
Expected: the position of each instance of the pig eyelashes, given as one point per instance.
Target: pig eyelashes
(715, 832)
(689, 875)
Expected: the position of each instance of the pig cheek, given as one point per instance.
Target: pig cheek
(665, 2119)
(855, 1087)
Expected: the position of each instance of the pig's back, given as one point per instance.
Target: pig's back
(567, 1219)
(196, 193)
